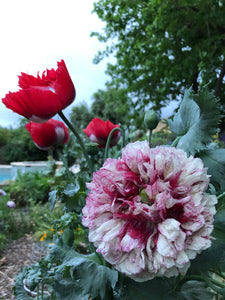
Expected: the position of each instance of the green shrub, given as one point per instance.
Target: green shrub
(36, 219)
(20, 147)
(30, 186)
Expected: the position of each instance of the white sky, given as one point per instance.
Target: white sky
(35, 34)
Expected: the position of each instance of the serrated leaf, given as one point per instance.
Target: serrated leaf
(196, 120)
(90, 278)
(67, 289)
(214, 160)
(95, 280)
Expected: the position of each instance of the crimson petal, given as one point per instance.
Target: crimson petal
(33, 104)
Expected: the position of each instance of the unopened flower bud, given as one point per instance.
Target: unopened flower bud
(151, 119)
(92, 148)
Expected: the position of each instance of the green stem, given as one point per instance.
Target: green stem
(191, 277)
(109, 140)
(150, 136)
(42, 290)
(62, 158)
(176, 141)
(221, 196)
(73, 129)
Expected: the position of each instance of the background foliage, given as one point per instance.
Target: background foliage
(17, 145)
(162, 47)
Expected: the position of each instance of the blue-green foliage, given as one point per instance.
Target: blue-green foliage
(196, 120)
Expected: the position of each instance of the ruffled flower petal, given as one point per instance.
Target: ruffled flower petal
(148, 213)
(41, 97)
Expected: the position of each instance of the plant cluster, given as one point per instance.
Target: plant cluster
(35, 219)
(139, 221)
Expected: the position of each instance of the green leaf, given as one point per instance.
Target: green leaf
(68, 237)
(154, 289)
(66, 220)
(166, 289)
(95, 280)
(88, 277)
(196, 120)
(71, 189)
(52, 199)
(194, 290)
(74, 195)
(219, 227)
(67, 289)
(214, 160)
(19, 291)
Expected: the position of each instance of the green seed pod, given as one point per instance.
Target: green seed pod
(151, 119)
(92, 148)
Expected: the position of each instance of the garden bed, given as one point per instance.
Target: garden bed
(19, 253)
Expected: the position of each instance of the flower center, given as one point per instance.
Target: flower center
(144, 197)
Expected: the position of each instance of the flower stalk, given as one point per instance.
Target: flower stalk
(176, 141)
(109, 140)
(62, 158)
(73, 129)
(149, 136)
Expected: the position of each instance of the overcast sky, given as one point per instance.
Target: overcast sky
(35, 34)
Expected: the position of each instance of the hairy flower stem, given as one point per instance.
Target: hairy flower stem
(176, 141)
(73, 129)
(109, 140)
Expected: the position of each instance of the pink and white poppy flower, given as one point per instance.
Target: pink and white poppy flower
(148, 213)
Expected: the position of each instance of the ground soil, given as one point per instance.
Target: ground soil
(19, 253)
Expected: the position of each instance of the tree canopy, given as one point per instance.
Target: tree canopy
(163, 47)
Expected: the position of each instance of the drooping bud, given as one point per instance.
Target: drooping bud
(151, 119)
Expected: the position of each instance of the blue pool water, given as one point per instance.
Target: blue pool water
(5, 174)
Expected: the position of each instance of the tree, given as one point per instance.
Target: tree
(20, 146)
(112, 104)
(163, 47)
(81, 116)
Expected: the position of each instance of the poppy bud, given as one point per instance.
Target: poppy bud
(151, 119)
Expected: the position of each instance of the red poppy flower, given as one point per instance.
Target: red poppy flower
(41, 97)
(99, 130)
(45, 135)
